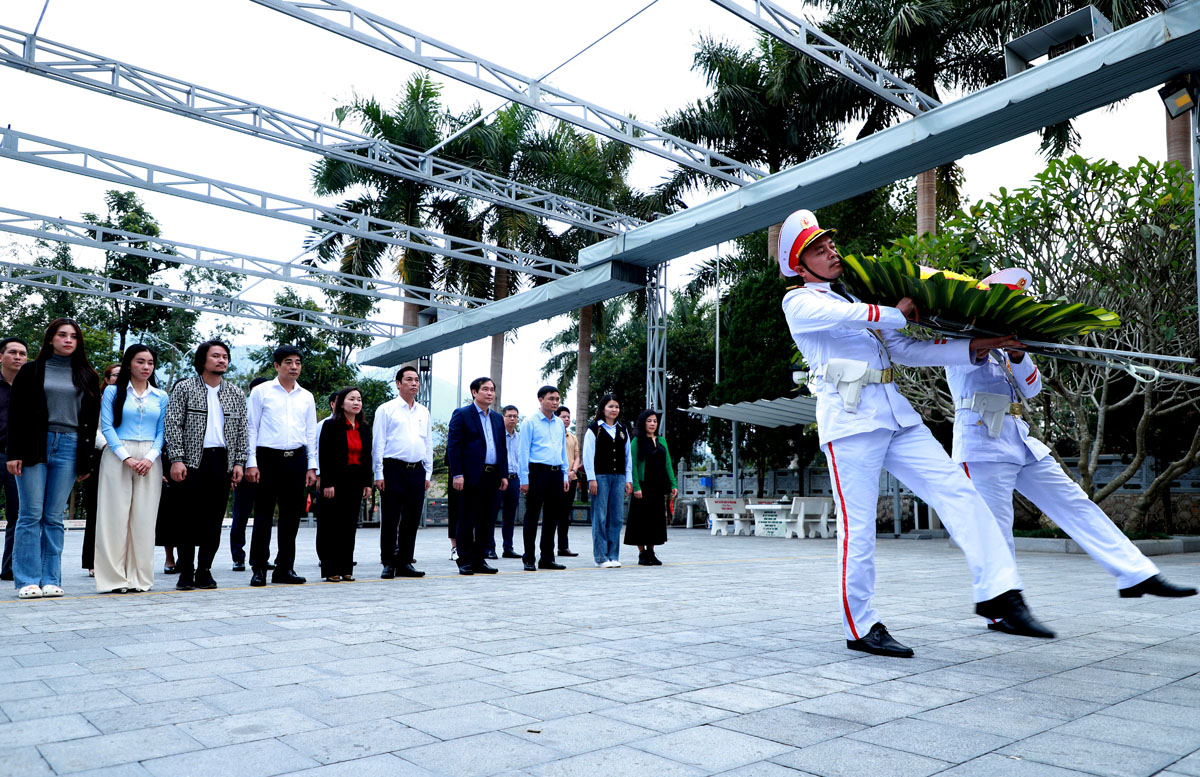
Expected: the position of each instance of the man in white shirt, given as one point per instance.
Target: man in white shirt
(283, 461)
(508, 499)
(994, 448)
(865, 425)
(402, 457)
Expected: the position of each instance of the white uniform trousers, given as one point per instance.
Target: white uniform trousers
(1045, 484)
(126, 512)
(916, 458)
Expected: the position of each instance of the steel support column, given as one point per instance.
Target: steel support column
(656, 342)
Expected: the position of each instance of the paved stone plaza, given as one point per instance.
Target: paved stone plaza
(728, 660)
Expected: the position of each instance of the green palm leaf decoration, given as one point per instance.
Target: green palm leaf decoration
(958, 302)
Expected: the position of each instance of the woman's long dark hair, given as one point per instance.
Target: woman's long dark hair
(643, 437)
(82, 374)
(604, 400)
(339, 414)
(123, 376)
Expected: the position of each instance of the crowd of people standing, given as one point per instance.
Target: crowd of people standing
(159, 468)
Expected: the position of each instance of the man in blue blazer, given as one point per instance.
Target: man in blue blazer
(478, 457)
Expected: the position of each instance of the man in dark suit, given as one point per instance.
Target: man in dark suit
(478, 457)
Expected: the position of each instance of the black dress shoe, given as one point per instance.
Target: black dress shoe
(287, 577)
(205, 581)
(511, 554)
(408, 570)
(547, 564)
(388, 573)
(1001, 626)
(185, 582)
(654, 560)
(568, 553)
(529, 567)
(644, 559)
(171, 570)
(240, 566)
(484, 569)
(465, 569)
(259, 578)
(880, 643)
(1155, 586)
(491, 554)
(1010, 608)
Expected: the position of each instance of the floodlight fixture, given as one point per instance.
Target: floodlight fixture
(1179, 95)
(1056, 38)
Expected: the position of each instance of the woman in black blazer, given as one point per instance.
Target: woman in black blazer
(345, 453)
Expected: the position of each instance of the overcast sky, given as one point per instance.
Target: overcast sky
(249, 51)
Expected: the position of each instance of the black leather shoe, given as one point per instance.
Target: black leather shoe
(654, 562)
(1001, 626)
(544, 564)
(491, 554)
(185, 582)
(880, 643)
(644, 559)
(465, 569)
(408, 570)
(568, 553)
(529, 567)
(259, 578)
(1155, 586)
(6, 575)
(388, 573)
(239, 567)
(511, 554)
(287, 577)
(205, 581)
(171, 570)
(484, 569)
(1010, 608)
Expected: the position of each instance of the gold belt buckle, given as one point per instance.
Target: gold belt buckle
(886, 377)
(1017, 409)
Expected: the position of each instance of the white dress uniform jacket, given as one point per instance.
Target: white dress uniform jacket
(971, 440)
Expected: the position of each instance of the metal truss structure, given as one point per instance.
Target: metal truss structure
(52, 279)
(815, 44)
(130, 172)
(109, 76)
(656, 342)
(391, 38)
(109, 239)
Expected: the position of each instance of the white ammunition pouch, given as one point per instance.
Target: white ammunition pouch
(991, 408)
(849, 375)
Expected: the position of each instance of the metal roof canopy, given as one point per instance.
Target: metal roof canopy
(771, 413)
(1132, 59)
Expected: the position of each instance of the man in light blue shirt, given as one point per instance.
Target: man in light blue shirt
(508, 499)
(544, 477)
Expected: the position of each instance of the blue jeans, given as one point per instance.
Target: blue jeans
(608, 513)
(43, 490)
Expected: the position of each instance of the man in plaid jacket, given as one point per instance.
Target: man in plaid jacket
(207, 445)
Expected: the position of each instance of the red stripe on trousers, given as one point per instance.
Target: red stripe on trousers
(837, 481)
(966, 470)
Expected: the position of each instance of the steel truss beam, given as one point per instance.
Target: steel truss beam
(73, 66)
(107, 239)
(185, 299)
(391, 38)
(130, 172)
(816, 45)
(656, 341)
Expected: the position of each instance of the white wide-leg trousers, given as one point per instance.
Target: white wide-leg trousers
(126, 513)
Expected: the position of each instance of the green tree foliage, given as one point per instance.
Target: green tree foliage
(1121, 238)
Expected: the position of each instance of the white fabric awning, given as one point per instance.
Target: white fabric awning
(771, 413)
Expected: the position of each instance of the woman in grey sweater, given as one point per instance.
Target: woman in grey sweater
(53, 413)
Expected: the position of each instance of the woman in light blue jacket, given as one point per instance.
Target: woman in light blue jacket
(131, 420)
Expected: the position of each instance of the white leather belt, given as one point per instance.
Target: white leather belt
(992, 409)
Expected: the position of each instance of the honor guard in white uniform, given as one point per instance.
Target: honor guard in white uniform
(993, 446)
(864, 425)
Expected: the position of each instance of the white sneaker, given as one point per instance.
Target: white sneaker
(454, 554)
(30, 592)
(608, 565)
(52, 590)
(615, 563)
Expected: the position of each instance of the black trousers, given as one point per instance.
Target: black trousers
(564, 515)
(337, 523)
(91, 496)
(545, 497)
(400, 508)
(243, 507)
(11, 504)
(205, 493)
(475, 520)
(506, 504)
(280, 482)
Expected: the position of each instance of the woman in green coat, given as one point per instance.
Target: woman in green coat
(653, 482)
